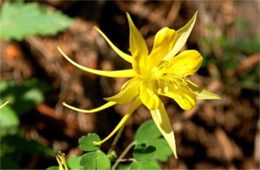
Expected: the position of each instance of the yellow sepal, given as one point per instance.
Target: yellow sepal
(202, 94)
(131, 110)
(103, 107)
(128, 92)
(123, 55)
(183, 35)
(115, 74)
(161, 119)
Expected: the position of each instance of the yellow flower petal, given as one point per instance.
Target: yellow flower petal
(201, 93)
(128, 92)
(133, 107)
(116, 74)
(148, 97)
(163, 123)
(105, 106)
(163, 43)
(138, 47)
(137, 42)
(125, 56)
(185, 98)
(183, 35)
(186, 63)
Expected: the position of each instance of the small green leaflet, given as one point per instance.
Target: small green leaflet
(19, 20)
(147, 131)
(141, 165)
(8, 117)
(144, 152)
(74, 162)
(86, 142)
(95, 160)
(150, 145)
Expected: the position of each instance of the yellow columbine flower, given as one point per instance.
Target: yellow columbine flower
(161, 72)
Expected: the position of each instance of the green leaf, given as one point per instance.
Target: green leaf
(95, 160)
(23, 97)
(143, 152)
(142, 165)
(241, 24)
(86, 142)
(7, 162)
(150, 143)
(162, 149)
(74, 162)
(8, 118)
(19, 20)
(147, 131)
(53, 168)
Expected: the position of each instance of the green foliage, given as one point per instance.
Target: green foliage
(147, 131)
(14, 146)
(241, 24)
(86, 142)
(150, 144)
(95, 160)
(144, 152)
(74, 162)
(7, 162)
(141, 165)
(8, 117)
(23, 97)
(19, 20)
(149, 148)
(163, 151)
(230, 53)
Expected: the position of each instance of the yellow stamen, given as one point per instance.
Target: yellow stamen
(62, 161)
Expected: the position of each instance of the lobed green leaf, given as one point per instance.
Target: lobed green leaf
(74, 162)
(8, 117)
(147, 131)
(19, 20)
(141, 165)
(86, 142)
(95, 160)
(144, 152)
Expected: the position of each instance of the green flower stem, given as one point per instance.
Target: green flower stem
(118, 135)
(123, 154)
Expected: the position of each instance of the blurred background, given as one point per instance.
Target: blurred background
(221, 134)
